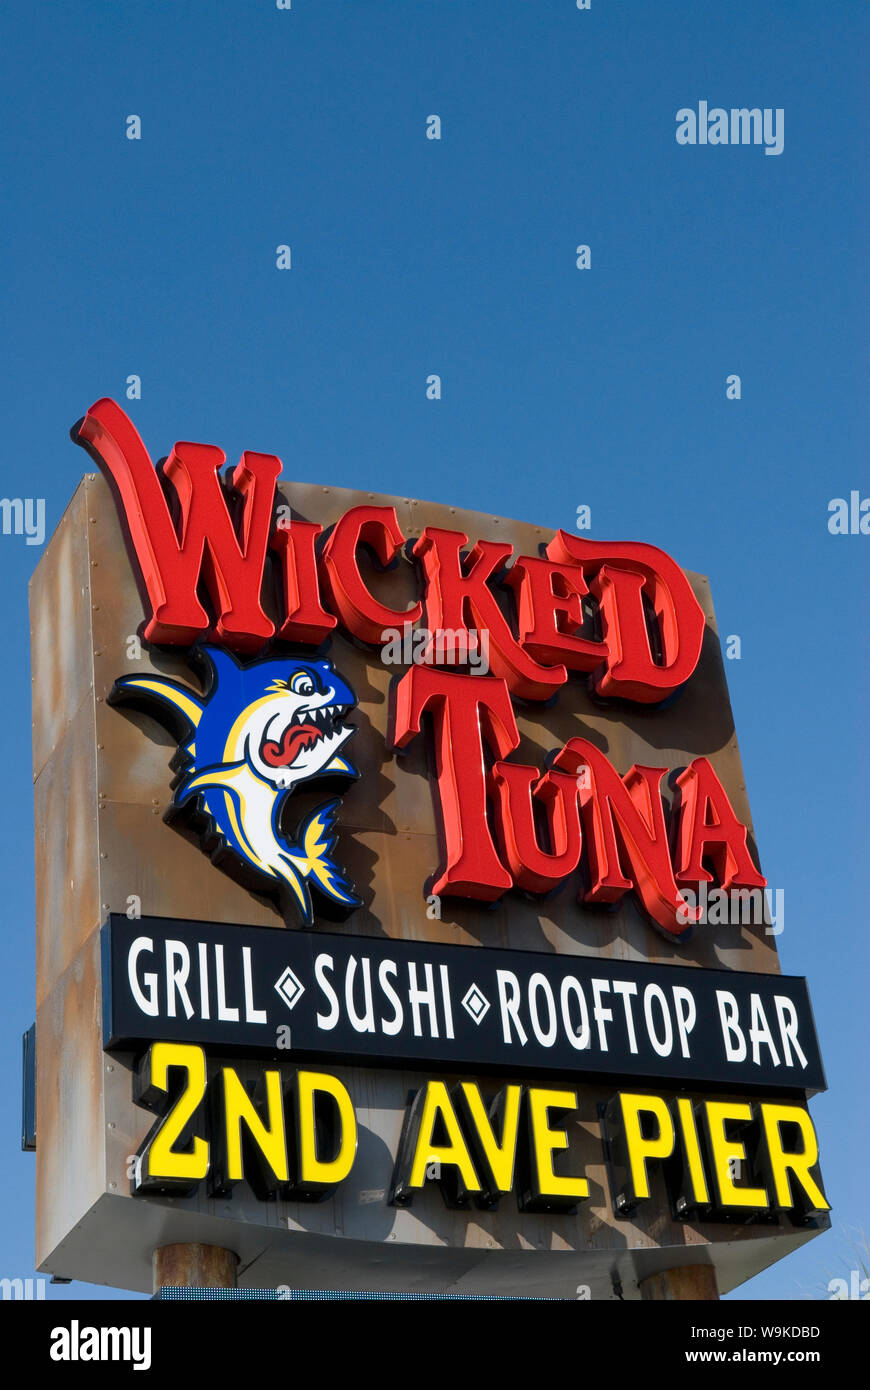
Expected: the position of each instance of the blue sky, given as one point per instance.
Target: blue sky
(411, 256)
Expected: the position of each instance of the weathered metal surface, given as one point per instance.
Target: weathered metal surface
(67, 857)
(71, 1156)
(192, 1266)
(102, 786)
(60, 647)
(688, 1282)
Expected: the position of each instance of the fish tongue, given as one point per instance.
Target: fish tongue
(295, 738)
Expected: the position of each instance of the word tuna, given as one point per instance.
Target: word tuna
(489, 822)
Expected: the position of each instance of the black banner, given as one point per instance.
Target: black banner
(392, 1002)
(189, 1333)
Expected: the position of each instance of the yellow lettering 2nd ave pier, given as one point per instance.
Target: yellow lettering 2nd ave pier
(294, 1133)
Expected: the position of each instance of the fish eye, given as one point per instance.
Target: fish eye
(302, 684)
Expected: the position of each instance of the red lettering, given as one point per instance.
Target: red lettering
(625, 816)
(306, 620)
(458, 600)
(582, 795)
(468, 713)
(624, 572)
(549, 606)
(362, 615)
(534, 869)
(207, 547)
(709, 827)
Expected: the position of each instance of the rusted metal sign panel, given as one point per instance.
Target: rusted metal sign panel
(102, 784)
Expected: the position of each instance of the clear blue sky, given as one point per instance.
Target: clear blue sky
(560, 387)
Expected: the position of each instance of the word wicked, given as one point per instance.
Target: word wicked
(191, 533)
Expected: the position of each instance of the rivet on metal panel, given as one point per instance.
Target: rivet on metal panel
(93, 521)
(109, 1067)
(112, 1186)
(94, 564)
(111, 1124)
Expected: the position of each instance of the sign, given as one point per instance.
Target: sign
(295, 1135)
(260, 732)
(244, 989)
(375, 846)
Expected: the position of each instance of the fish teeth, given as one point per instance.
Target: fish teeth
(327, 715)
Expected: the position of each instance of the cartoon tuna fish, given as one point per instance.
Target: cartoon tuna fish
(260, 732)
